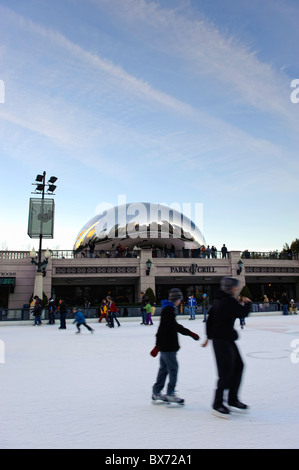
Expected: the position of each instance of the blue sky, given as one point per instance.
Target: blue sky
(170, 101)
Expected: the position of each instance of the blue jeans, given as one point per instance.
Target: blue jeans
(113, 317)
(192, 312)
(37, 320)
(205, 311)
(143, 314)
(168, 367)
(285, 309)
(62, 321)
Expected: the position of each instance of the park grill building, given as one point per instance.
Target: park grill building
(145, 251)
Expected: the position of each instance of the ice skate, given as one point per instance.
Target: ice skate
(174, 399)
(237, 405)
(159, 398)
(221, 411)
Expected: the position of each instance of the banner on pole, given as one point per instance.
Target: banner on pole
(41, 218)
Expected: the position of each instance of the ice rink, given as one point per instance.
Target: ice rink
(62, 390)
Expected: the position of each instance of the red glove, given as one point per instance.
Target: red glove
(154, 351)
(194, 336)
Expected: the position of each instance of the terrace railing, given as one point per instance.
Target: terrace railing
(155, 253)
(24, 314)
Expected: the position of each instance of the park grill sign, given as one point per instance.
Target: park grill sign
(192, 269)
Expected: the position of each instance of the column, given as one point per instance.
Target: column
(144, 280)
(38, 285)
(234, 257)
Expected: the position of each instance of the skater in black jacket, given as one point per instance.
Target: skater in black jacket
(167, 344)
(220, 329)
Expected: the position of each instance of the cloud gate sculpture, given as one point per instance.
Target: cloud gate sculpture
(142, 225)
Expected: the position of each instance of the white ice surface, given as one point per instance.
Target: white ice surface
(62, 390)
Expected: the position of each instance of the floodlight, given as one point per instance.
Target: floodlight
(39, 178)
(52, 179)
(51, 188)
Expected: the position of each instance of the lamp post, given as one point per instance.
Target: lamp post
(40, 225)
(240, 266)
(148, 267)
(41, 265)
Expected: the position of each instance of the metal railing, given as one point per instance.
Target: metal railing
(24, 314)
(155, 253)
(276, 255)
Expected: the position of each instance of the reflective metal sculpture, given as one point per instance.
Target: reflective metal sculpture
(139, 225)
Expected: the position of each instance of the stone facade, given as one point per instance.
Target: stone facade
(168, 271)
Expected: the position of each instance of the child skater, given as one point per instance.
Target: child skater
(167, 344)
(80, 320)
(148, 309)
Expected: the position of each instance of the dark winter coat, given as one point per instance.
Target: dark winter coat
(52, 306)
(38, 307)
(62, 308)
(222, 315)
(79, 318)
(284, 299)
(167, 335)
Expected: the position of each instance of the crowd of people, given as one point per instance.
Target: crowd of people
(108, 310)
(167, 251)
(192, 304)
(264, 304)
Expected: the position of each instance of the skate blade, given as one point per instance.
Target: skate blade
(159, 402)
(238, 410)
(220, 415)
(170, 403)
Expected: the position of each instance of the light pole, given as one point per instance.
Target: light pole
(41, 265)
(40, 225)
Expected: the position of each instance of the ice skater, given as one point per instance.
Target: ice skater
(37, 310)
(103, 310)
(113, 310)
(148, 309)
(192, 304)
(80, 320)
(220, 329)
(167, 345)
(242, 320)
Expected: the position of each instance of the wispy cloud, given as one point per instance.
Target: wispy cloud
(206, 50)
(88, 132)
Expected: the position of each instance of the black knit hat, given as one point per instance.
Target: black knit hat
(175, 294)
(227, 283)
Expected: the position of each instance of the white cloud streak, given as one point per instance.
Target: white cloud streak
(73, 127)
(207, 51)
